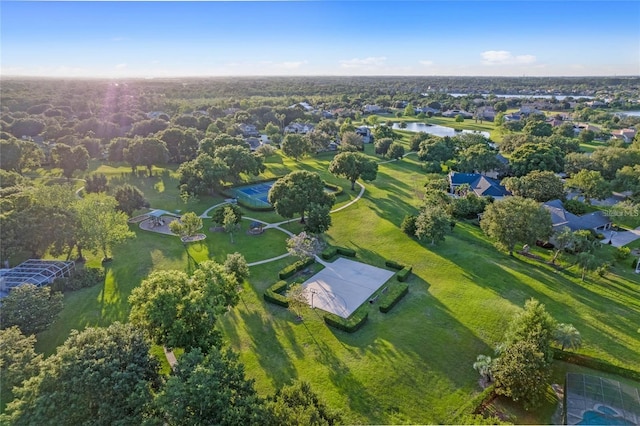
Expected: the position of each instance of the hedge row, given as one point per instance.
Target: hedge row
(351, 324)
(393, 265)
(329, 253)
(332, 251)
(595, 364)
(276, 298)
(337, 190)
(392, 297)
(289, 270)
(346, 251)
(403, 274)
(273, 294)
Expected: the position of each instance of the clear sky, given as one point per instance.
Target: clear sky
(163, 39)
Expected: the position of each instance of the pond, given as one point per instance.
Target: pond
(435, 129)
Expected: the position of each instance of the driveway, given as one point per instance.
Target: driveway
(623, 238)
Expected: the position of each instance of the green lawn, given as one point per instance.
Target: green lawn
(412, 365)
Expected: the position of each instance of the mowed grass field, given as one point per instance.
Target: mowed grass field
(411, 365)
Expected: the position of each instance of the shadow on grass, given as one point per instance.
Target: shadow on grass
(360, 399)
(269, 352)
(517, 279)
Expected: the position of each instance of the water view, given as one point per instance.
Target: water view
(558, 97)
(435, 129)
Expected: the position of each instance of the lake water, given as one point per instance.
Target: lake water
(434, 129)
(558, 97)
(635, 113)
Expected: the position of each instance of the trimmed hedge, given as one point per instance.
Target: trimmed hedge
(272, 294)
(337, 190)
(392, 297)
(595, 364)
(289, 270)
(346, 251)
(403, 274)
(393, 265)
(351, 324)
(329, 253)
(332, 251)
(276, 298)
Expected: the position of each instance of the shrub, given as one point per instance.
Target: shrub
(329, 253)
(408, 225)
(278, 287)
(289, 270)
(393, 296)
(622, 253)
(337, 190)
(595, 364)
(276, 298)
(273, 294)
(80, 278)
(393, 265)
(634, 264)
(351, 324)
(346, 251)
(403, 274)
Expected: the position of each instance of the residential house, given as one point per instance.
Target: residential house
(626, 135)
(596, 104)
(253, 142)
(301, 128)
(427, 110)
(580, 127)
(560, 217)
(456, 112)
(304, 105)
(365, 132)
(157, 114)
(248, 130)
(481, 185)
(527, 110)
(372, 109)
(486, 113)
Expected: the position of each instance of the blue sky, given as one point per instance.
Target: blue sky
(162, 39)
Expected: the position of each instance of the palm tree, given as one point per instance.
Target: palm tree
(483, 366)
(567, 336)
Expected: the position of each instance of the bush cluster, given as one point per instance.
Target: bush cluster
(393, 265)
(351, 324)
(332, 251)
(403, 274)
(392, 297)
(274, 294)
(337, 190)
(80, 278)
(595, 364)
(289, 270)
(329, 253)
(346, 251)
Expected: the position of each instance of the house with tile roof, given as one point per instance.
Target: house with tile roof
(561, 217)
(481, 185)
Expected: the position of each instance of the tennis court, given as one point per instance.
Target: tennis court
(255, 195)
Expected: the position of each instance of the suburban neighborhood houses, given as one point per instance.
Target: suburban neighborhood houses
(327, 251)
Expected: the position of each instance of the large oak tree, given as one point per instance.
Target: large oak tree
(296, 192)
